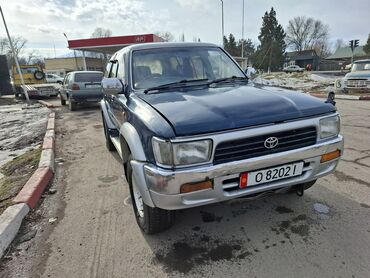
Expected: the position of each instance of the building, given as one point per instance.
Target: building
(303, 58)
(343, 56)
(61, 66)
(106, 46)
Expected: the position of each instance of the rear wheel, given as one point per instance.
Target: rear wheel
(150, 220)
(72, 105)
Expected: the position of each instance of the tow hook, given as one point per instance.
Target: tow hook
(331, 98)
(300, 190)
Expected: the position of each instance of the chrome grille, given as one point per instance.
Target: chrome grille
(254, 146)
(356, 83)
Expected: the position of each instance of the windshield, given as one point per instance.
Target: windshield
(156, 67)
(88, 77)
(361, 66)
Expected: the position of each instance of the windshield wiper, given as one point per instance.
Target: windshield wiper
(177, 84)
(227, 80)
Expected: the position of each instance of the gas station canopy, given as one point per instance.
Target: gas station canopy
(110, 45)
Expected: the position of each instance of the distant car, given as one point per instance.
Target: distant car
(359, 77)
(81, 87)
(293, 68)
(53, 78)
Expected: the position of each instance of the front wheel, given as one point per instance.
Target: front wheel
(150, 220)
(62, 100)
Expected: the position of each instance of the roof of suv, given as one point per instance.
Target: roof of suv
(166, 44)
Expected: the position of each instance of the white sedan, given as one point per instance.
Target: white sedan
(293, 68)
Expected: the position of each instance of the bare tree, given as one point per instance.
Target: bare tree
(19, 44)
(166, 36)
(306, 33)
(101, 33)
(339, 44)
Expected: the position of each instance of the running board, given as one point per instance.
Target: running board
(116, 142)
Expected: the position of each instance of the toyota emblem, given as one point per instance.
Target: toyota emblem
(271, 142)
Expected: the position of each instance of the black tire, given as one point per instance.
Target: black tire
(154, 220)
(108, 141)
(72, 105)
(62, 100)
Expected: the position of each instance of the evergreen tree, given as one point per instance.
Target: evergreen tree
(248, 48)
(235, 47)
(231, 46)
(367, 46)
(270, 53)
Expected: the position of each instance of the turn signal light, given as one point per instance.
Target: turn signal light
(330, 156)
(191, 187)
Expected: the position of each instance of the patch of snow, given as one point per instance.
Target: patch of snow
(22, 128)
(296, 81)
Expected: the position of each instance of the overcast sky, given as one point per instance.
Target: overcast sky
(43, 22)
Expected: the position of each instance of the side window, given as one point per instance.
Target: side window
(107, 69)
(113, 72)
(121, 69)
(66, 79)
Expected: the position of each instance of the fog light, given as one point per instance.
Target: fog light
(243, 180)
(330, 156)
(191, 187)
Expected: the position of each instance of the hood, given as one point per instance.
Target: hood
(358, 74)
(216, 109)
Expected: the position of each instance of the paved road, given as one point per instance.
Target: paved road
(326, 233)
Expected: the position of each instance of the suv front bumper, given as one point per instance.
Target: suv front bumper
(163, 186)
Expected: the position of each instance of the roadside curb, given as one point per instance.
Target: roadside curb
(48, 104)
(10, 222)
(11, 219)
(347, 97)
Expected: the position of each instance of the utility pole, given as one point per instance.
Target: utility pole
(222, 23)
(74, 51)
(15, 58)
(243, 65)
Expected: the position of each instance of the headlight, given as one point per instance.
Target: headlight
(180, 154)
(329, 127)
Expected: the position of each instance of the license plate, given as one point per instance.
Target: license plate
(93, 85)
(274, 174)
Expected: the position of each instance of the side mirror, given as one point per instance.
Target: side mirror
(112, 86)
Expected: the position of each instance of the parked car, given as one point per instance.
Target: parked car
(293, 68)
(359, 78)
(53, 78)
(81, 87)
(191, 131)
(35, 82)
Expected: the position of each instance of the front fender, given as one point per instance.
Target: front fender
(133, 141)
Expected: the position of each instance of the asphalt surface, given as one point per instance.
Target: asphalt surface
(87, 228)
